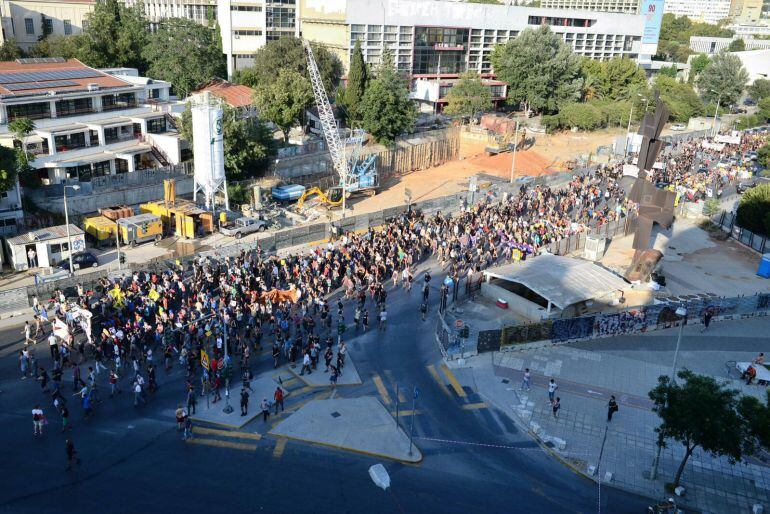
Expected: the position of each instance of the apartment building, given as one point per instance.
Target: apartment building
(88, 122)
(27, 21)
(623, 6)
(745, 11)
(708, 11)
(712, 45)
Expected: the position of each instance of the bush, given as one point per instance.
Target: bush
(583, 116)
(711, 207)
(754, 209)
(763, 155)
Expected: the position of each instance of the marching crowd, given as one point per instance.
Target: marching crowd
(213, 317)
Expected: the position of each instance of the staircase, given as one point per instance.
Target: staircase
(159, 156)
(171, 121)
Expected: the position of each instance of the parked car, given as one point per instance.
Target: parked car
(80, 260)
(244, 226)
(742, 187)
(678, 127)
(749, 101)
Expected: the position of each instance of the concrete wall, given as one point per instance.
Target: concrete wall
(521, 306)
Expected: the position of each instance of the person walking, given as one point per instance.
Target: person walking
(38, 420)
(423, 310)
(180, 414)
(526, 382)
(306, 364)
(552, 387)
(113, 380)
(187, 428)
(383, 318)
(265, 406)
(555, 407)
(612, 408)
(244, 401)
(334, 376)
(72, 454)
(328, 356)
(192, 399)
(707, 315)
(278, 399)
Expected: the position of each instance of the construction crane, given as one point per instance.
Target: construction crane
(356, 173)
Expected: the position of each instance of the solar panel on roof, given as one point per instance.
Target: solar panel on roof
(40, 60)
(40, 85)
(34, 76)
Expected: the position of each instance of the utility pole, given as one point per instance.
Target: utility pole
(228, 408)
(415, 394)
(515, 147)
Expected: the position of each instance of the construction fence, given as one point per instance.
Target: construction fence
(629, 321)
(727, 222)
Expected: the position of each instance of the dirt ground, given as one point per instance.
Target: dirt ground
(547, 155)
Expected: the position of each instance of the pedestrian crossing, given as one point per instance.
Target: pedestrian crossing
(231, 439)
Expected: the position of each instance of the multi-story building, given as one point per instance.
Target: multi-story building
(27, 21)
(87, 122)
(625, 6)
(743, 11)
(708, 11)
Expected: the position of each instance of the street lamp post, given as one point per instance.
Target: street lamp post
(515, 147)
(682, 313)
(75, 187)
(716, 111)
(631, 117)
(228, 408)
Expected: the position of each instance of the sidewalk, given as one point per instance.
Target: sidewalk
(588, 376)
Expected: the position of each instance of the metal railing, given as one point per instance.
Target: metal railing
(726, 221)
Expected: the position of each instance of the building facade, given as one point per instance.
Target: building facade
(27, 21)
(623, 6)
(712, 45)
(759, 28)
(87, 123)
(708, 11)
(745, 11)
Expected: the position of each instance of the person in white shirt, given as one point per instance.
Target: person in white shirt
(37, 420)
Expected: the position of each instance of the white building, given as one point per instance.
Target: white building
(27, 21)
(626, 6)
(88, 122)
(709, 11)
(712, 45)
(756, 62)
(760, 28)
(11, 213)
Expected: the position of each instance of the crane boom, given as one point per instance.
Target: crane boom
(326, 114)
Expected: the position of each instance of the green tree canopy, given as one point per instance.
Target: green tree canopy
(248, 144)
(60, 46)
(22, 128)
(760, 89)
(9, 166)
(386, 111)
(736, 45)
(287, 53)
(697, 65)
(614, 79)
(681, 99)
(541, 70)
(10, 50)
(469, 96)
(755, 206)
(700, 412)
(668, 71)
(675, 32)
(724, 79)
(353, 93)
(284, 100)
(184, 53)
(115, 36)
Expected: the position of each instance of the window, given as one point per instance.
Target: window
(153, 94)
(34, 111)
(67, 27)
(156, 125)
(73, 107)
(244, 32)
(118, 101)
(280, 17)
(246, 8)
(47, 26)
(29, 24)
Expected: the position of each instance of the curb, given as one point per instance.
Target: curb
(352, 450)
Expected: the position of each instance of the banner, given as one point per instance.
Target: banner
(204, 359)
(652, 10)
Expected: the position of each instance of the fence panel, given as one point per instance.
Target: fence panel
(14, 300)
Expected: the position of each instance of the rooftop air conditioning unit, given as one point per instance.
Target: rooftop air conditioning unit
(52, 93)
(594, 250)
(93, 87)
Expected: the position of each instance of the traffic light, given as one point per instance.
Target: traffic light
(465, 332)
(122, 258)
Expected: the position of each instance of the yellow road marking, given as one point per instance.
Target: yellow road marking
(303, 390)
(389, 376)
(226, 433)
(453, 381)
(401, 397)
(406, 412)
(475, 406)
(224, 444)
(438, 379)
(280, 446)
(381, 389)
(287, 381)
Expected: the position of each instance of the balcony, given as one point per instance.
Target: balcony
(121, 138)
(119, 105)
(63, 113)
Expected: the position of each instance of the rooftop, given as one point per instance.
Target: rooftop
(25, 77)
(45, 234)
(563, 281)
(235, 95)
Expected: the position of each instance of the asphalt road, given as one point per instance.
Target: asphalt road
(134, 460)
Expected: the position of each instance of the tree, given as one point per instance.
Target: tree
(668, 71)
(736, 45)
(697, 65)
(248, 144)
(582, 116)
(681, 99)
(387, 111)
(469, 96)
(613, 79)
(9, 166)
(723, 79)
(763, 109)
(60, 46)
(541, 70)
(700, 412)
(115, 36)
(757, 416)
(10, 50)
(675, 32)
(760, 89)
(22, 128)
(284, 100)
(287, 53)
(185, 53)
(763, 155)
(353, 93)
(755, 205)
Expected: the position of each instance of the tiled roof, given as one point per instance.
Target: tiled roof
(236, 95)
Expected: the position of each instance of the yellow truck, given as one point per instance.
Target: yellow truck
(140, 228)
(101, 229)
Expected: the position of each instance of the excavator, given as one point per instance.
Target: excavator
(332, 197)
(505, 142)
